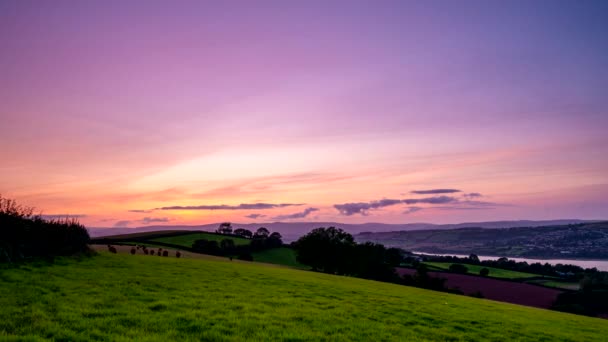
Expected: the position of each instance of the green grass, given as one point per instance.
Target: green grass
(141, 298)
(282, 256)
(188, 239)
(558, 284)
(494, 272)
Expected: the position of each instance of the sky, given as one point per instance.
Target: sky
(133, 113)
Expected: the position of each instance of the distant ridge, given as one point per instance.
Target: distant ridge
(293, 230)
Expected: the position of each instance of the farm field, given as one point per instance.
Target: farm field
(494, 272)
(495, 289)
(282, 256)
(188, 239)
(126, 298)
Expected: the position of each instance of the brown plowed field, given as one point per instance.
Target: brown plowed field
(500, 290)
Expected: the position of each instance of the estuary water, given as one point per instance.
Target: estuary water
(601, 265)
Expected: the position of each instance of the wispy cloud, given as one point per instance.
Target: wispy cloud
(430, 200)
(435, 191)
(148, 220)
(301, 214)
(242, 206)
(140, 211)
(255, 216)
(412, 210)
(62, 216)
(122, 223)
(363, 208)
(471, 195)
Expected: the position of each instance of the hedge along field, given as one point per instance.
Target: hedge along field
(494, 272)
(141, 298)
(188, 239)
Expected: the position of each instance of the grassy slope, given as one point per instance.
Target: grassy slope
(494, 272)
(124, 297)
(188, 240)
(282, 256)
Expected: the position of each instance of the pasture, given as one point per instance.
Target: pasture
(123, 297)
(474, 269)
(187, 240)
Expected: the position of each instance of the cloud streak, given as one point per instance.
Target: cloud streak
(435, 191)
(242, 206)
(140, 211)
(148, 220)
(301, 214)
(255, 216)
(62, 216)
(363, 208)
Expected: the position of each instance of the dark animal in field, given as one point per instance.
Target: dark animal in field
(133, 251)
(112, 249)
(159, 251)
(151, 252)
(178, 254)
(165, 253)
(145, 251)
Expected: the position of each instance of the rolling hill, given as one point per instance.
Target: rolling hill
(133, 298)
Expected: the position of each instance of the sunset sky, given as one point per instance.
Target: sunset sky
(133, 113)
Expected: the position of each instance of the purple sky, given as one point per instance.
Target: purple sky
(112, 109)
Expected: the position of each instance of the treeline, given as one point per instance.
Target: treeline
(260, 240)
(332, 250)
(591, 299)
(559, 270)
(24, 235)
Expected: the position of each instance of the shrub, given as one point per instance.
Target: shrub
(458, 268)
(24, 235)
(484, 272)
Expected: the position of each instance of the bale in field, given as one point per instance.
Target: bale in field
(178, 254)
(165, 253)
(133, 251)
(112, 249)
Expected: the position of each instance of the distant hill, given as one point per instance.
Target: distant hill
(582, 240)
(293, 230)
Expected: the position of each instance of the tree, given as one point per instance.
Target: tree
(326, 249)
(224, 228)
(484, 272)
(206, 247)
(458, 268)
(261, 233)
(474, 258)
(243, 232)
(227, 246)
(274, 240)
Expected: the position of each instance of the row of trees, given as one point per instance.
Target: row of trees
(24, 235)
(260, 240)
(547, 269)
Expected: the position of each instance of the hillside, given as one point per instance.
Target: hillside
(124, 297)
(585, 240)
(291, 231)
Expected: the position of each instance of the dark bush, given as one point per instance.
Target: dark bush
(484, 272)
(24, 235)
(458, 268)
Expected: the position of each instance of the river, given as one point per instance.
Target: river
(601, 265)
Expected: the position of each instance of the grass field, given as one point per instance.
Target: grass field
(141, 298)
(558, 284)
(494, 272)
(281, 256)
(188, 239)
